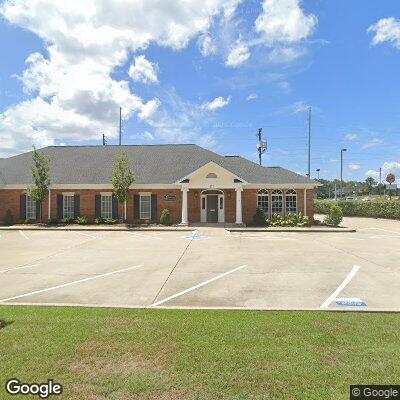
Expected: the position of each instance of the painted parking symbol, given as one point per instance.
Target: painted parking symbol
(196, 237)
(350, 302)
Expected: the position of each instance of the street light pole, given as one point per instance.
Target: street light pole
(318, 169)
(341, 171)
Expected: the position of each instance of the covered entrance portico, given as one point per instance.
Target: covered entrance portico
(211, 195)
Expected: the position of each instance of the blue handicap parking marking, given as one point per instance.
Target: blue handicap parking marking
(343, 302)
(196, 237)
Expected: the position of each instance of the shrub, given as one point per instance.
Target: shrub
(52, 221)
(8, 218)
(165, 218)
(373, 209)
(82, 220)
(146, 222)
(110, 221)
(291, 219)
(67, 220)
(29, 221)
(335, 215)
(99, 221)
(259, 218)
(136, 222)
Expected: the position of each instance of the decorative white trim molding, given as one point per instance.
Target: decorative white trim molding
(206, 166)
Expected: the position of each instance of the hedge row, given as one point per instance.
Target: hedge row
(373, 209)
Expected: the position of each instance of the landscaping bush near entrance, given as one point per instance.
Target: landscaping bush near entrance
(291, 219)
(373, 209)
(335, 215)
(8, 218)
(165, 218)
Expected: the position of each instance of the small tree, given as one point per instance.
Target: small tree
(165, 218)
(40, 177)
(370, 183)
(122, 178)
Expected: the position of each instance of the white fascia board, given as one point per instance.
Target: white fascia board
(280, 186)
(206, 166)
(98, 186)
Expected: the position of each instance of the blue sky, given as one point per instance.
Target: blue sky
(208, 72)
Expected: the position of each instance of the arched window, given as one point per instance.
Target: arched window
(212, 175)
(291, 201)
(263, 201)
(277, 202)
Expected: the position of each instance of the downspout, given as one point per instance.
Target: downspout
(125, 211)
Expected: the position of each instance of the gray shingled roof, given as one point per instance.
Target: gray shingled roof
(151, 164)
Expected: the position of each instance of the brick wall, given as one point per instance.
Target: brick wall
(9, 199)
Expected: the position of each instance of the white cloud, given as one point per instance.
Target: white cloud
(284, 22)
(351, 136)
(372, 143)
(218, 102)
(285, 55)
(252, 96)
(77, 97)
(142, 70)
(148, 109)
(354, 167)
(237, 56)
(392, 167)
(206, 45)
(386, 30)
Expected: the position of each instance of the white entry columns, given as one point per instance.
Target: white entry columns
(239, 190)
(185, 189)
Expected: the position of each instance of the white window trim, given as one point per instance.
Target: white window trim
(144, 194)
(65, 196)
(102, 195)
(27, 199)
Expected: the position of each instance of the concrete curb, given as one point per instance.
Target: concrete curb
(293, 229)
(215, 308)
(93, 229)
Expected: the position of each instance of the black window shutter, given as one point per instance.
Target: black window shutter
(154, 207)
(114, 207)
(77, 205)
(22, 207)
(60, 204)
(136, 206)
(38, 209)
(97, 203)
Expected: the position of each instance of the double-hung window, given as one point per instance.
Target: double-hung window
(106, 206)
(145, 206)
(68, 205)
(30, 208)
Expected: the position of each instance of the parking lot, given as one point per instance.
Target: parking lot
(206, 268)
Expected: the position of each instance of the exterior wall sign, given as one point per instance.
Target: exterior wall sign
(170, 197)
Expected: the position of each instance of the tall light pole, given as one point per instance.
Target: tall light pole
(341, 171)
(309, 143)
(318, 169)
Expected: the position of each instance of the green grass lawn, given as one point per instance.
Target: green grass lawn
(167, 354)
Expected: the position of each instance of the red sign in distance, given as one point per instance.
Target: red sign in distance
(390, 178)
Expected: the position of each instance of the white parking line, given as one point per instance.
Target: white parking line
(336, 293)
(70, 283)
(13, 269)
(197, 286)
(148, 236)
(379, 229)
(23, 234)
(228, 233)
(86, 234)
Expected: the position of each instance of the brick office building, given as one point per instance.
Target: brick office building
(194, 184)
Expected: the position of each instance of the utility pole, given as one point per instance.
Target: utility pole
(309, 143)
(380, 181)
(104, 140)
(341, 171)
(261, 146)
(120, 126)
